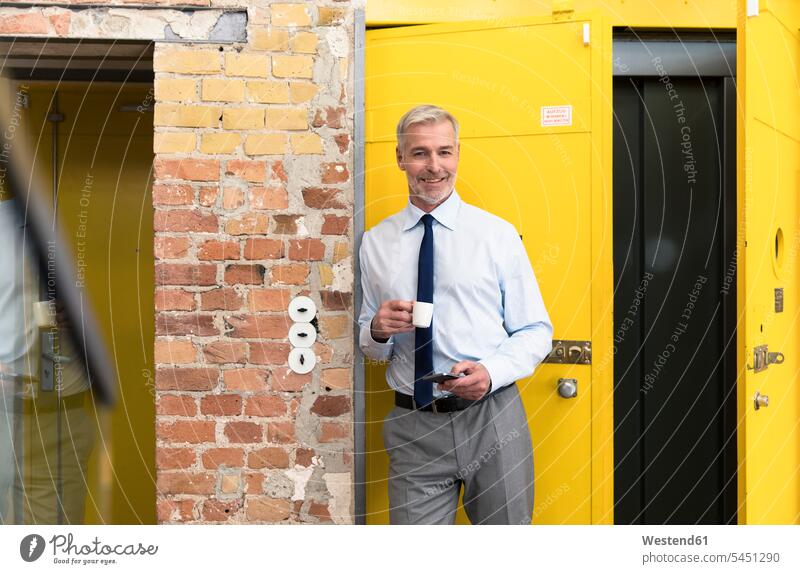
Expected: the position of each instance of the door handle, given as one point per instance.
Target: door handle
(760, 401)
(568, 388)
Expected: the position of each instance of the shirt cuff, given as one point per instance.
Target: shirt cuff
(372, 348)
(496, 374)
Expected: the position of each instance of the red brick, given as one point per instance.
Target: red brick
(244, 432)
(220, 510)
(185, 324)
(304, 456)
(174, 300)
(277, 172)
(323, 352)
(284, 379)
(250, 224)
(186, 431)
(175, 510)
(185, 274)
(335, 326)
(323, 198)
(335, 300)
(269, 198)
(207, 196)
(232, 198)
(190, 220)
(285, 224)
(342, 142)
(174, 351)
(225, 352)
(222, 405)
(331, 406)
(306, 249)
(332, 117)
(23, 24)
(172, 194)
(248, 170)
(245, 274)
(171, 458)
(246, 380)
(254, 482)
(176, 405)
(269, 299)
(337, 379)
(260, 248)
(170, 247)
(186, 378)
(332, 432)
(258, 326)
(185, 482)
(270, 457)
(334, 172)
(269, 353)
(264, 509)
(191, 169)
(60, 23)
(215, 457)
(291, 274)
(335, 225)
(320, 511)
(265, 406)
(281, 432)
(224, 298)
(217, 250)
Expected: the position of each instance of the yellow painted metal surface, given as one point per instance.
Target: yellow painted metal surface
(105, 212)
(769, 218)
(552, 183)
(639, 13)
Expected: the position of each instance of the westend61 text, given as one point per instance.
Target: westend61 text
(674, 541)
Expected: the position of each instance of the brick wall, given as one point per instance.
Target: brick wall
(253, 202)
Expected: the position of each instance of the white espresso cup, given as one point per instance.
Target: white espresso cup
(422, 314)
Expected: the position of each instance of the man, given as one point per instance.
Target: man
(489, 324)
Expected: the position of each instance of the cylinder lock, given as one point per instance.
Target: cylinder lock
(568, 388)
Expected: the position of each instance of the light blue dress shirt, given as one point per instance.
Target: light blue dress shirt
(487, 306)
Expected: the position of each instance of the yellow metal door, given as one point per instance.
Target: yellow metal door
(534, 102)
(768, 184)
(104, 157)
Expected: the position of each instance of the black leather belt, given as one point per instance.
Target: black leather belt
(444, 404)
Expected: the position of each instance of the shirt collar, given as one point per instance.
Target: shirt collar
(446, 213)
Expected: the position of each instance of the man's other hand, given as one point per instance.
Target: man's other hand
(473, 385)
(393, 317)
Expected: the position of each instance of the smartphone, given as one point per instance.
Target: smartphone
(441, 377)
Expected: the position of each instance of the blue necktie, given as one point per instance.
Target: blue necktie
(423, 338)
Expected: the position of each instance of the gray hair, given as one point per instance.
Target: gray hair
(424, 114)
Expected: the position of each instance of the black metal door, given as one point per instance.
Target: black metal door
(675, 300)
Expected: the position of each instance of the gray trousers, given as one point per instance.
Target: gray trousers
(485, 448)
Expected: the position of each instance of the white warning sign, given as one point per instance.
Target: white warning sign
(556, 116)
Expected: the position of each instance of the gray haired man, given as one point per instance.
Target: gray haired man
(490, 328)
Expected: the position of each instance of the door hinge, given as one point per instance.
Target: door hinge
(570, 352)
(762, 358)
(752, 8)
(587, 34)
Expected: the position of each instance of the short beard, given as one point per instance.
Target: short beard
(433, 201)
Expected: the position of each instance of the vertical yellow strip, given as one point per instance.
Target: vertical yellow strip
(602, 274)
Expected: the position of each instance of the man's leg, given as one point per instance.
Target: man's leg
(423, 481)
(496, 457)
